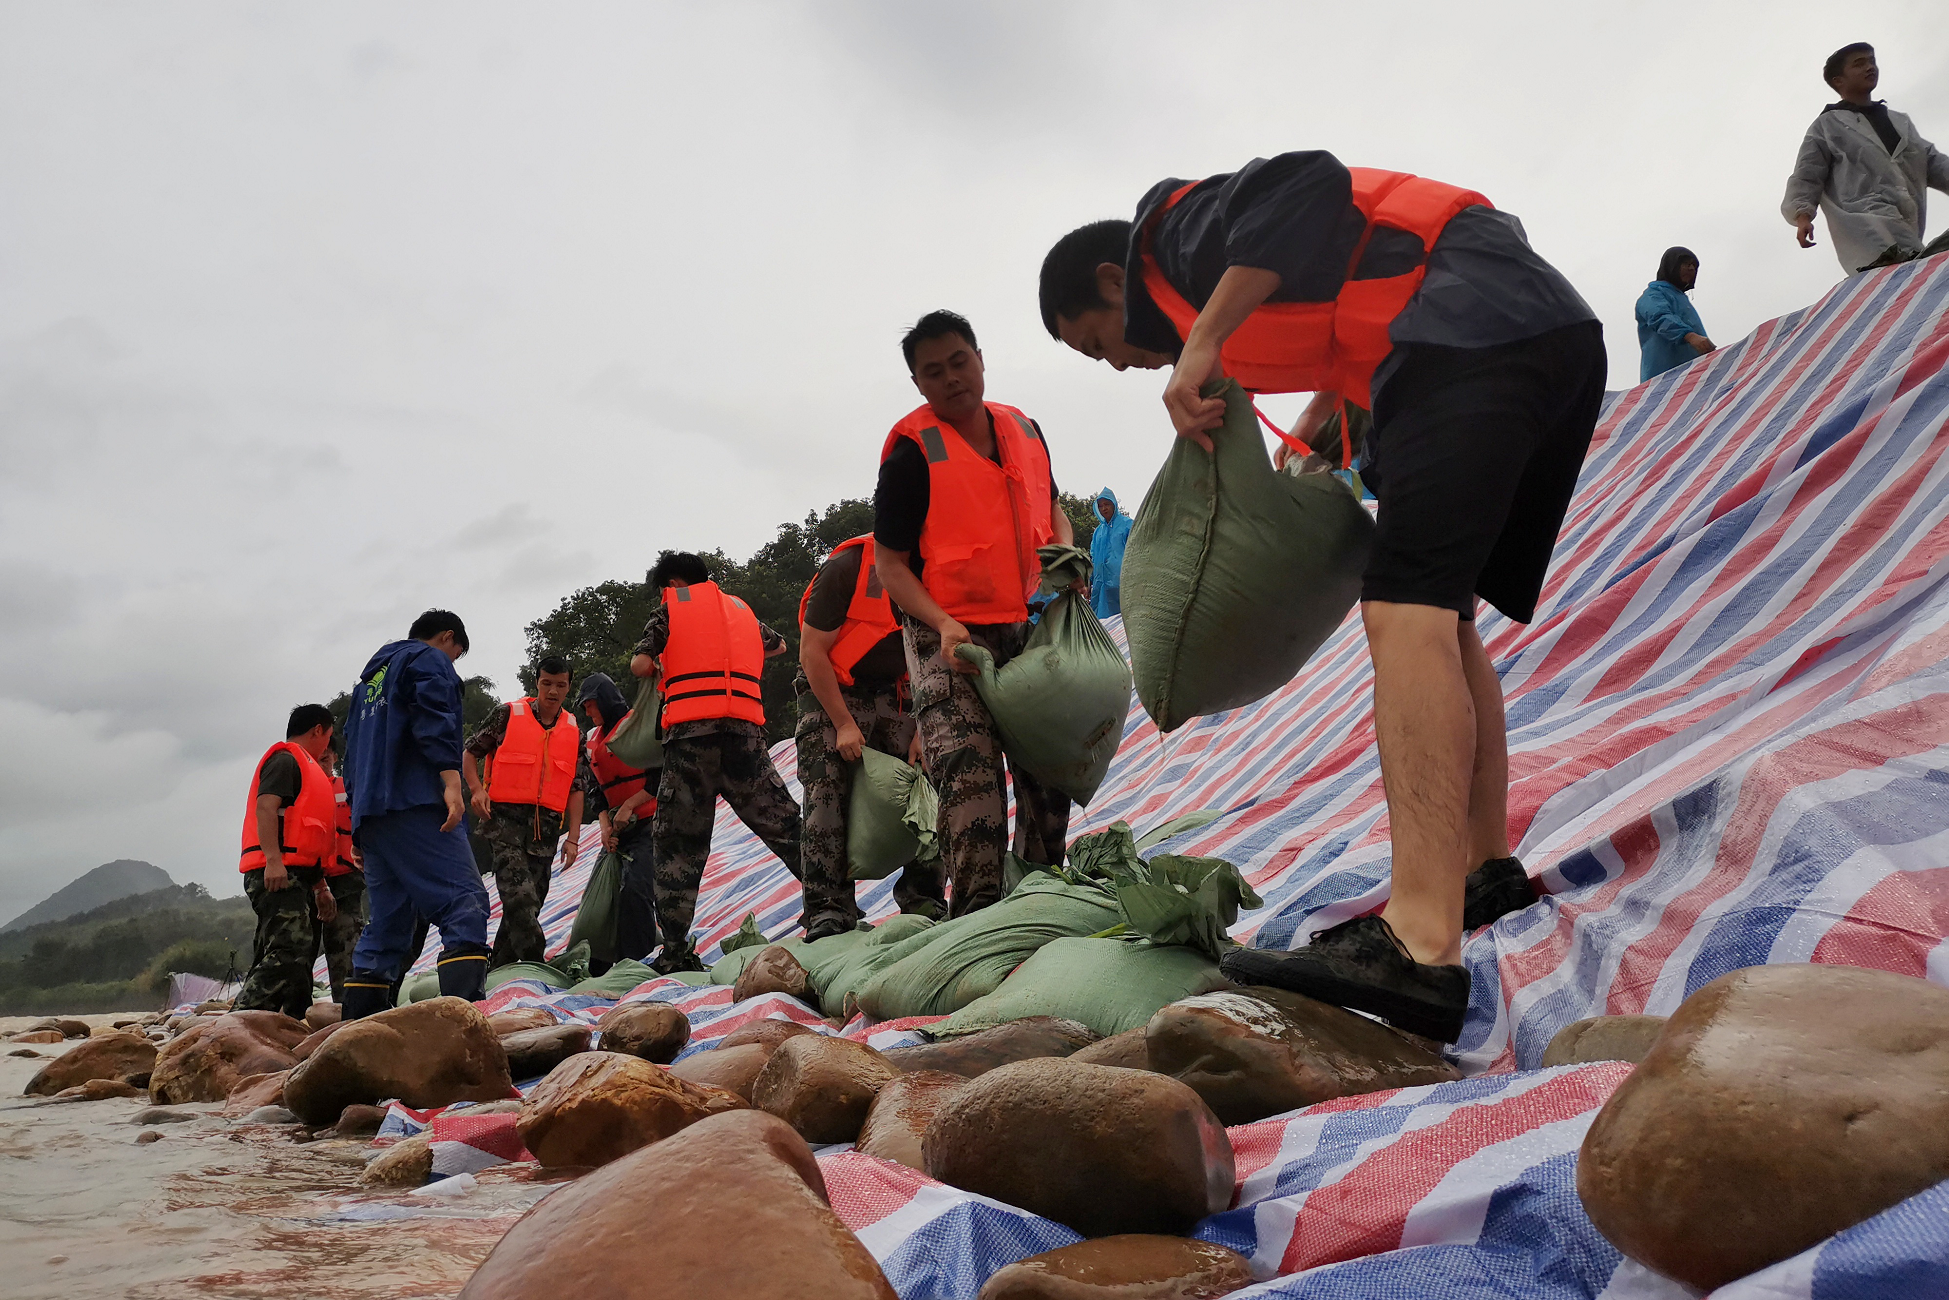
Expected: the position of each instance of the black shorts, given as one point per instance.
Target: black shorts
(1473, 457)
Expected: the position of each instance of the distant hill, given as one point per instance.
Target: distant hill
(118, 957)
(105, 884)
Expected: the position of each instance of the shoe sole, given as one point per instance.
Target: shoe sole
(1408, 1014)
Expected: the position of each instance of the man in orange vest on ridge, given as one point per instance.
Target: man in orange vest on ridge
(965, 497)
(290, 832)
(710, 651)
(529, 805)
(1484, 371)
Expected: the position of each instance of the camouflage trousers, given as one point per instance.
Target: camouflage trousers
(338, 936)
(831, 905)
(524, 849)
(963, 755)
(282, 952)
(696, 770)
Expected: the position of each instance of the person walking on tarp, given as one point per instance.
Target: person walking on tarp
(1864, 166)
(625, 800)
(402, 769)
(341, 911)
(290, 833)
(710, 650)
(1106, 555)
(964, 499)
(852, 694)
(1670, 332)
(529, 804)
(1484, 371)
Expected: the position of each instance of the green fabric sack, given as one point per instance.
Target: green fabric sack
(635, 741)
(1060, 705)
(600, 911)
(891, 817)
(1235, 573)
(1177, 826)
(1111, 985)
(617, 980)
(557, 979)
(816, 958)
(419, 988)
(747, 935)
(836, 977)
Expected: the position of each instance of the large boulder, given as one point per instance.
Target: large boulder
(504, 1023)
(1264, 1051)
(255, 1091)
(116, 1055)
(733, 1208)
(426, 1054)
(1780, 1105)
(534, 1052)
(212, 1056)
(1102, 1149)
(406, 1163)
(599, 1106)
(1604, 1038)
(64, 1027)
(317, 1039)
(822, 1086)
(1133, 1267)
(655, 1031)
(322, 1014)
(732, 1069)
(768, 1033)
(976, 1054)
(1127, 1049)
(899, 1116)
(775, 970)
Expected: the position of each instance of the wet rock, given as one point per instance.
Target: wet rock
(105, 1056)
(1780, 1105)
(323, 1014)
(269, 1115)
(255, 1091)
(25, 1051)
(900, 1114)
(64, 1027)
(504, 1023)
(655, 1031)
(1126, 1049)
(976, 1054)
(317, 1039)
(359, 1121)
(1133, 1267)
(143, 1139)
(775, 970)
(648, 1225)
(430, 1053)
(215, 1006)
(732, 1069)
(769, 1033)
(1604, 1038)
(406, 1163)
(1264, 1051)
(598, 1106)
(99, 1090)
(163, 1115)
(534, 1052)
(209, 1059)
(822, 1086)
(1101, 1149)
(37, 1036)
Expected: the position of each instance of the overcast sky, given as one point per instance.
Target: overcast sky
(314, 316)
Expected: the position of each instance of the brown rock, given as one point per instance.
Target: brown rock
(769, 1032)
(210, 1057)
(504, 1023)
(1126, 1049)
(1133, 1267)
(733, 1069)
(100, 1090)
(1263, 1051)
(311, 1044)
(651, 1226)
(534, 1052)
(597, 1106)
(406, 1163)
(976, 1054)
(323, 1014)
(106, 1056)
(1101, 1149)
(822, 1086)
(1604, 1038)
(901, 1113)
(359, 1121)
(25, 1051)
(37, 1036)
(775, 970)
(655, 1031)
(144, 1139)
(214, 1006)
(64, 1027)
(1780, 1105)
(430, 1053)
(256, 1091)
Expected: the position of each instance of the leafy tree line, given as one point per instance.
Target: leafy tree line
(110, 959)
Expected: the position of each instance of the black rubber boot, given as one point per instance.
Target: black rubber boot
(671, 960)
(1494, 890)
(366, 994)
(463, 972)
(1362, 966)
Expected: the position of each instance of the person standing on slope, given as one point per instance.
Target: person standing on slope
(1670, 332)
(290, 833)
(1111, 535)
(342, 915)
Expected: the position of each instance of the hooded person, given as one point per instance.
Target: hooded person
(625, 800)
(1106, 554)
(1670, 332)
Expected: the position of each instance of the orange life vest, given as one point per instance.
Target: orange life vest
(1311, 347)
(619, 781)
(307, 826)
(534, 764)
(984, 521)
(341, 861)
(869, 618)
(714, 663)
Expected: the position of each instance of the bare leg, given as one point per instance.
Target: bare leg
(1489, 784)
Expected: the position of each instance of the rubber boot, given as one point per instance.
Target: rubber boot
(366, 994)
(463, 972)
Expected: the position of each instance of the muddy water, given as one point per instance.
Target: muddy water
(216, 1208)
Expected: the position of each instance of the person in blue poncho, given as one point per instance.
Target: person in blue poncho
(1670, 332)
(1106, 555)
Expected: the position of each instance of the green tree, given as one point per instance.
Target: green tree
(1082, 515)
(477, 700)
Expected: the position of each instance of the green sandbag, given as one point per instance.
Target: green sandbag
(1059, 706)
(600, 911)
(834, 978)
(557, 979)
(419, 988)
(635, 742)
(1177, 826)
(1108, 984)
(732, 963)
(620, 979)
(944, 968)
(1235, 573)
(891, 817)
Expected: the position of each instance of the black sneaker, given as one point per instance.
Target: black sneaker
(1360, 965)
(1494, 890)
(827, 929)
(669, 963)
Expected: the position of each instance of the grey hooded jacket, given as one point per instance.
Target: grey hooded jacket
(1872, 198)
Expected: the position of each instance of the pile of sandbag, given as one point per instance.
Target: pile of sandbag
(892, 817)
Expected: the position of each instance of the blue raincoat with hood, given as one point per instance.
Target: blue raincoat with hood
(1106, 556)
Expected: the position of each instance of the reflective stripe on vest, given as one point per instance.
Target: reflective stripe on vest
(869, 616)
(1312, 347)
(714, 663)
(534, 764)
(618, 780)
(984, 521)
(341, 860)
(307, 826)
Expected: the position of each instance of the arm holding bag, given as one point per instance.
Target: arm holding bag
(634, 741)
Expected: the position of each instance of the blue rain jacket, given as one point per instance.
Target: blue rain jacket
(1665, 317)
(1106, 557)
(403, 731)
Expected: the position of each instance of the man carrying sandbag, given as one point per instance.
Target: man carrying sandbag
(852, 692)
(710, 650)
(625, 800)
(965, 497)
(1484, 371)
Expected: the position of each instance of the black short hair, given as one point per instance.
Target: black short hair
(1838, 59)
(305, 717)
(434, 622)
(935, 325)
(678, 564)
(551, 664)
(1069, 272)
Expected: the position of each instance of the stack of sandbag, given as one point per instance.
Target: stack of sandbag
(1111, 985)
(1235, 573)
(892, 817)
(836, 976)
